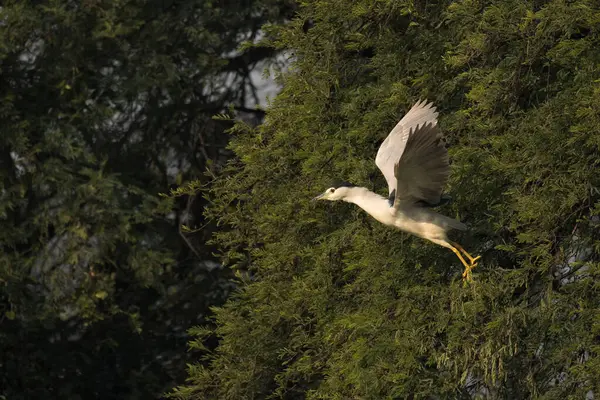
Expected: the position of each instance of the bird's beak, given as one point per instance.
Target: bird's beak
(319, 197)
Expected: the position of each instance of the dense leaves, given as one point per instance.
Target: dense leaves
(104, 105)
(335, 305)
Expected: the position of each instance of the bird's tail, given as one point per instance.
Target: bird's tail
(454, 224)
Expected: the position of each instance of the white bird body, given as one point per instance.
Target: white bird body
(418, 221)
(414, 162)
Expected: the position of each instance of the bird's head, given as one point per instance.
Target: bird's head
(334, 193)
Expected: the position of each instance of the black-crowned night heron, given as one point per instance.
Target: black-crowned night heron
(414, 162)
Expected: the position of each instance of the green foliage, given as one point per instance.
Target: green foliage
(335, 306)
(103, 105)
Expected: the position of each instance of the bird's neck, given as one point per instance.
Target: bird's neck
(372, 203)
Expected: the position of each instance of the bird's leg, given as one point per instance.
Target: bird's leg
(470, 257)
(467, 273)
(455, 249)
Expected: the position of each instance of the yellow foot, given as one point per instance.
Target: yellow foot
(473, 260)
(467, 276)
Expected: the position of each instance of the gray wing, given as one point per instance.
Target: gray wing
(393, 146)
(422, 171)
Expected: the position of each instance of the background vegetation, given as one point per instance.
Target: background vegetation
(334, 305)
(104, 105)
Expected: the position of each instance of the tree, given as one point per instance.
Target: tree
(103, 106)
(335, 305)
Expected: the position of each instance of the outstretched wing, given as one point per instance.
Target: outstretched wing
(394, 148)
(422, 171)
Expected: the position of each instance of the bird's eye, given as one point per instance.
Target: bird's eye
(331, 190)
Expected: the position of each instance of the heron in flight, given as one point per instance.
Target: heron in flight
(414, 162)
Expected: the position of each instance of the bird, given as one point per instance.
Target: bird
(414, 161)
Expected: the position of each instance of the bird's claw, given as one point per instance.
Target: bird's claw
(467, 277)
(473, 261)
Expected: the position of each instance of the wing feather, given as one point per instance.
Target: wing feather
(395, 143)
(422, 171)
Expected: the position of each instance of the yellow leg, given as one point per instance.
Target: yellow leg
(455, 247)
(467, 273)
(473, 260)
(468, 268)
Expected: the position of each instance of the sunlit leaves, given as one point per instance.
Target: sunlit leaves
(338, 306)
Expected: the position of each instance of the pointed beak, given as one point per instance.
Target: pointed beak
(319, 197)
